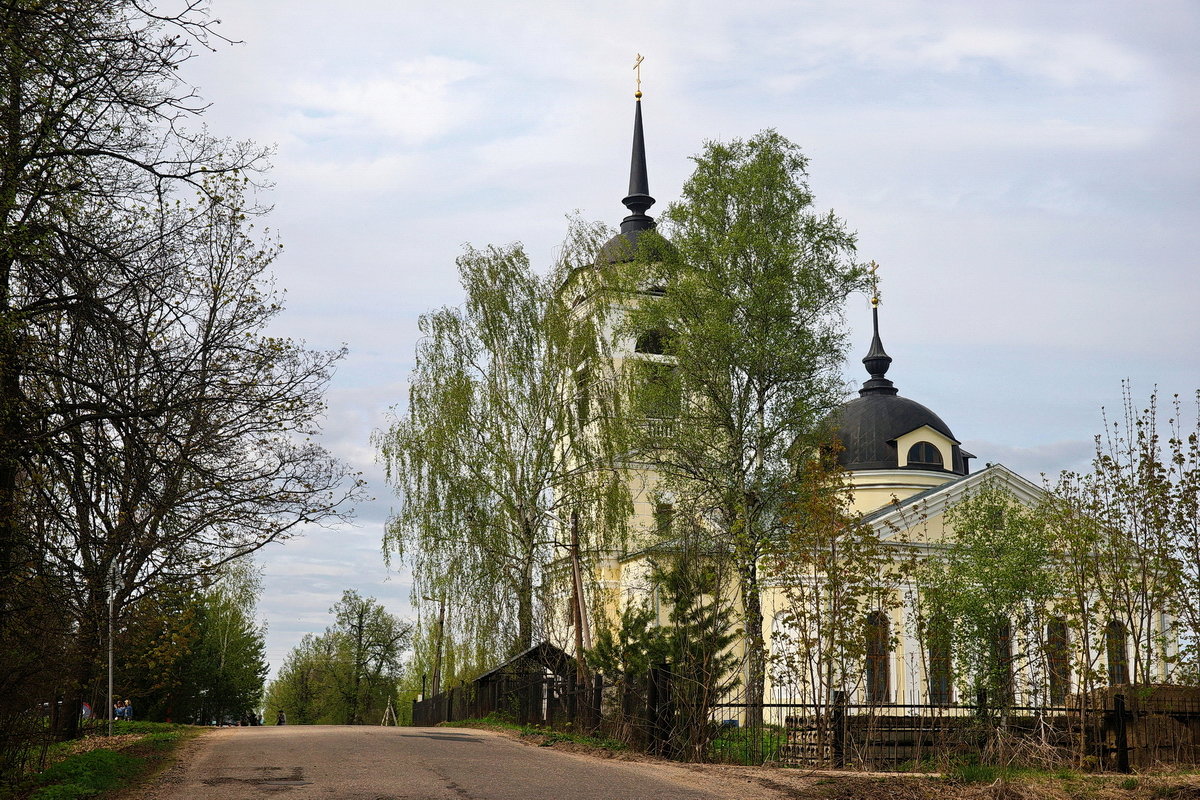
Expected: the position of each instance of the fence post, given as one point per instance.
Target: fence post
(981, 701)
(838, 722)
(1122, 733)
(597, 704)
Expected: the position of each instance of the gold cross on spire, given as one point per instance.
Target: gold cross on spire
(874, 278)
(637, 67)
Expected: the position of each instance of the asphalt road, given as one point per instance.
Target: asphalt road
(427, 763)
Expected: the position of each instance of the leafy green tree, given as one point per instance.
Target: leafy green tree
(834, 572)
(348, 674)
(194, 655)
(484, 457)
(750, 322)
(155, 662)
(1128, 528)
(304, 689)
(371, 642)
(230, 659)
(991, 592)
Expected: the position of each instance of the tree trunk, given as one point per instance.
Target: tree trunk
(525, 593)
(756, 657)
(525, 608)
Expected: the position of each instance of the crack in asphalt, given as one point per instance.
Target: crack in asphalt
(295, 778)
(451, 785)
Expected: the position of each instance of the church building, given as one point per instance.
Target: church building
(904, 465)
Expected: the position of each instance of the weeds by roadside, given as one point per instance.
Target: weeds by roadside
(86, 768)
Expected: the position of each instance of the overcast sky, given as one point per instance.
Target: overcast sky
(1027, 175)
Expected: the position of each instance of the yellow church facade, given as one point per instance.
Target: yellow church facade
(904, 468)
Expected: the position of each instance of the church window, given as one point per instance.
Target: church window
(925, 454)
(878, 647)
(939, 664)
(1002, 662)
(1116, 643)
(664, 517)
(655, 342)
(1058, 662)
(582, 398)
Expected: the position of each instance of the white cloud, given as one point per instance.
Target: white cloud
(413, 102)
(1064, 58)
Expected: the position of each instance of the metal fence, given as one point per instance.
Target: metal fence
(1118, 728)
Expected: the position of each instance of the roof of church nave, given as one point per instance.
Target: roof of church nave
(870, 424)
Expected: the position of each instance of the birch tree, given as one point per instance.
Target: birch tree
(487, 458)
(750, 321)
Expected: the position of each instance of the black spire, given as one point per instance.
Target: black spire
(639, 199)
(877, 360)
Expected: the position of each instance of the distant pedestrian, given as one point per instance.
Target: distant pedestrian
(281, 718)
(129, 711)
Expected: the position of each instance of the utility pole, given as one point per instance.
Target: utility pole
(583, 633)
(441, 635)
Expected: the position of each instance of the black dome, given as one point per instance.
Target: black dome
(868, 427)
(621, 248)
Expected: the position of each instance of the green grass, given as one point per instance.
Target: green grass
(85, 775)
(103, 770)
(971, 771)
(745, 746)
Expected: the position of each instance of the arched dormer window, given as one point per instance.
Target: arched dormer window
(878, 646)
(925, 455)
(655, 342)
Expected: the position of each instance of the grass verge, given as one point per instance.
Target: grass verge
(103, 771)
(543, 736)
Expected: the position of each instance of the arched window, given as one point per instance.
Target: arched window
(925, 454)
(878, 647)
(1116, 642)
(1058, 660)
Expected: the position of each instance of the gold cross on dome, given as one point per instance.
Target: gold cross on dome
(874, 278)
(637, 67)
